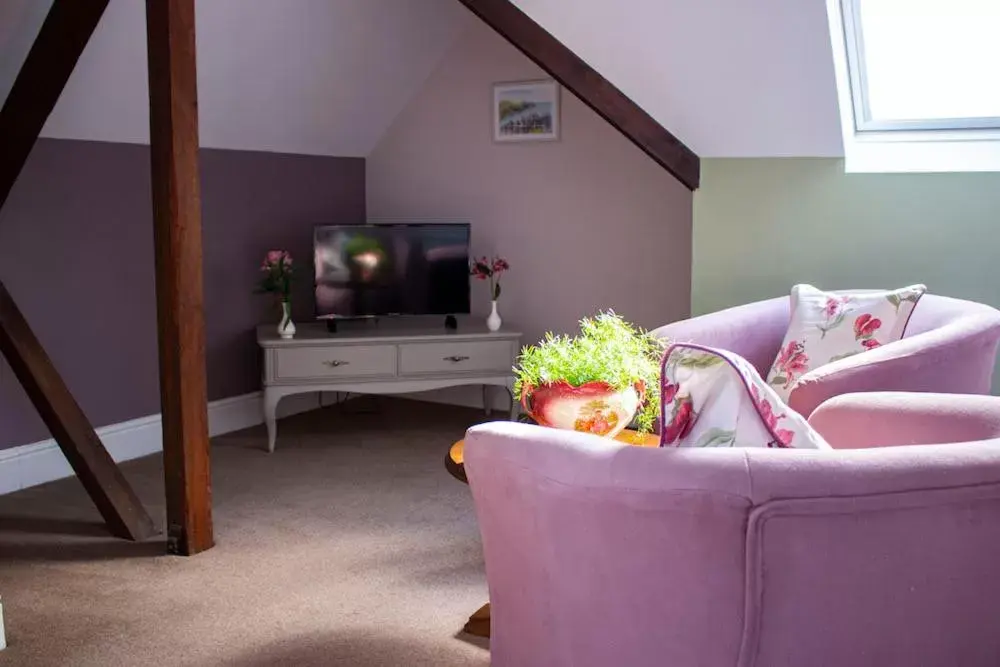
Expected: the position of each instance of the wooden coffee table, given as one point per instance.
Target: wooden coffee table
(479, 623)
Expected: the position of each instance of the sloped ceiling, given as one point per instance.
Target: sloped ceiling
(323, 77)
(730, 78)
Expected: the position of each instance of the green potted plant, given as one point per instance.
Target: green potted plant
(595, 382)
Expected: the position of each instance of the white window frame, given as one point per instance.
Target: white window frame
(889, 146)
(863, 121)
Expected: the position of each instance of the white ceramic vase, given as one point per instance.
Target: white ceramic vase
(493, 322)
(286, 328)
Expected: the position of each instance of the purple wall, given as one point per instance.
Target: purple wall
(76, 251)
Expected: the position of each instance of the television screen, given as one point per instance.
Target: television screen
(368, 270)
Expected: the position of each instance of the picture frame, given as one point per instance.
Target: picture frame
(526, 111)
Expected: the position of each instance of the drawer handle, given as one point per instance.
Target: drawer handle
(336, 363)
(455, 359)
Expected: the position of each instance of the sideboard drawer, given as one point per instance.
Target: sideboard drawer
(422, 358)
(305, 363)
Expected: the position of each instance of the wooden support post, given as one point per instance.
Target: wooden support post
(173, 118)
(593, 89)
(96, 469)
(50, 62)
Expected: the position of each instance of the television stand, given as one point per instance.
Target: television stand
(331, 323)
(395, 359)
(450, 323)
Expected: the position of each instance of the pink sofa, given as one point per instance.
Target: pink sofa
(950, 347)
(600, 555)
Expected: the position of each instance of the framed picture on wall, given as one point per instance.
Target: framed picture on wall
(526, 111)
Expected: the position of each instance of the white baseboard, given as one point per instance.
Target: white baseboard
(40, 462)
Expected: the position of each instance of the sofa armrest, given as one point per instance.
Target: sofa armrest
(957, 358)
(642, 534)
(852, 555)
(885, 419)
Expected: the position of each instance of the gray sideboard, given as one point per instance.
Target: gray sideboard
(391, 359)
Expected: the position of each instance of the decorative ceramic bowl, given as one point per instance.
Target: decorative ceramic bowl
(593, 407)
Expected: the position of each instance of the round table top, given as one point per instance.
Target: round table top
(455, 462)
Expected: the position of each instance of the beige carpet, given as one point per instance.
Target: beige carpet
(350, 545)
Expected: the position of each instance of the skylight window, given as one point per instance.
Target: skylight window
(913, 72)
(924, 64)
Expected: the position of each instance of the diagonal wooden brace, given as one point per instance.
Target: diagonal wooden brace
(50, 62)
(594, 90)
(52, 58)
(95, 468)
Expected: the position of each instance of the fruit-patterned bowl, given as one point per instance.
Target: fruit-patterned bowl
(592, 407)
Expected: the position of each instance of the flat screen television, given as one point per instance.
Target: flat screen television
(398, 269)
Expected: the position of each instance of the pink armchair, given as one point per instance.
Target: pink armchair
(599, 554)
(950, 347)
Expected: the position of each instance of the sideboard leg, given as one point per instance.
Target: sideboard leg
(487, 406)
(515, 407)
(271, 400)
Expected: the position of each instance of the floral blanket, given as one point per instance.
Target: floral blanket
(716, 398)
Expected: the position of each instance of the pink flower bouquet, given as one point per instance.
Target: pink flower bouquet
(277, 271)
(483, 268)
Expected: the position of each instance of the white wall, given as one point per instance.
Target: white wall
(322, 77)
(730, 78)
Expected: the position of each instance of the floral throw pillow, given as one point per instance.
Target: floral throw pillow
(716, 398)
(830, 326)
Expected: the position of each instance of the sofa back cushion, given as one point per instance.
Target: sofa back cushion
(829, 326)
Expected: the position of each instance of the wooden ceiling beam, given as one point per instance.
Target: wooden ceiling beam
(173, 121)
(50, 62)
(62, 38)
(586, 83)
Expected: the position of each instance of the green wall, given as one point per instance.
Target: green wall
(762, 225)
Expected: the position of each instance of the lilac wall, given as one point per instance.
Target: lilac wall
(588, 222)
(76, 251)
